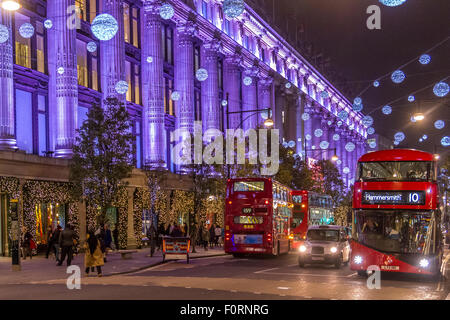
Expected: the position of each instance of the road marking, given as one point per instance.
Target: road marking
(234, 291)
(352, 275)
(300, 274)
(283, 288)
(188, 287)
(307, 297)
(257, 292)
(448, 297)
(153, 268)
(265, 270)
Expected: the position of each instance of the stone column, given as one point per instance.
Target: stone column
(299, 109)
(210, 87)
(7, 115)
(64, 102)
(112, 63)
(249, 100)
(264, 94)
(232, 81)
(308, 126)
(184, 76)
(154, 133)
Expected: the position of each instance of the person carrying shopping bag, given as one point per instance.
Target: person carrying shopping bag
(93, 256)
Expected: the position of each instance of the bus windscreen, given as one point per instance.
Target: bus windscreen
(243, 186)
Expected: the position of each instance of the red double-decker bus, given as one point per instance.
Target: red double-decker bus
(310, 209)
(257, 216)
(396, 218)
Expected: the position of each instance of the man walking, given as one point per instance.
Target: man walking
(66, 243)
(152, 236)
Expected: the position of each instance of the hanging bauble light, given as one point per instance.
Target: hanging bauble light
(233, 8)
(318, 133)
(104, 27)
(346, 170)
(313, 147)
(396, 143)
(440, 124)
(121, 87)
(224, 103)
(288, 85)
(26, 30)
(367, 121)
(424, 137)
(357, 100)
(411, 98)
(48, 24)
(339, 123)
(336, 137)
(308, 137)
(445, 141)
(357, 107)
(201, 74)
(376, 83)
(351, 126)
(329, 122)
(265, 115)
(421, 140)
(4, 33)
(149, 59)
(324, 144)
(387, 110)
(350, 146)
(399, 136)
(339, 162)
(425, 59)
(91, 47)
(305, 117)
(371, 130)
(372, 144)
(166, 11)
(324, 94)
(291, 144)
(60, 70)
(175, 96)
(343, 115)
(441, 89)
(413, 119)
(398, 76)
(285, 144)
(248, 80)
(392, 3)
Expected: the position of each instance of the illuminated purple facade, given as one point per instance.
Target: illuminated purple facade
(157, 57)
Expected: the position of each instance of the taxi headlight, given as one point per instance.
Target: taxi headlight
(333, 249)
(358, 259)
(424, 263)
(302, 248)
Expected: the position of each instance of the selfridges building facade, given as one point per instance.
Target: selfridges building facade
(51, 73)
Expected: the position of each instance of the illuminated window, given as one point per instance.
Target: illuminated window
(86, 9)
(48, 215)
(40, 47)
(131, 24)
(168, 103)
(205, 9)
(128, 79)
(82, 10)
(22, 45)
(135, 27)
(126, 22)
(133, 78)
(82, 66)
(167, 43)
(137, 85)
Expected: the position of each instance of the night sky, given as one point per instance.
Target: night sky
(338, 29)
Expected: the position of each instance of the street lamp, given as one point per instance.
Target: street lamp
(418, 116)
(334, 158)
(11, 5)
(268, 123)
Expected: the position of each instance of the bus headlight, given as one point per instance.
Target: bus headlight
(424, 263)
(302, 248)
(333, 249)
(358, 259)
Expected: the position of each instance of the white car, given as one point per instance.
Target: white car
(325, 245)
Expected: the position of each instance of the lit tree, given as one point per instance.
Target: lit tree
(103, 155)
(331, 181)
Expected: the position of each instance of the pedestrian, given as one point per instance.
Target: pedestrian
(108, 237)
(93, 256)
(115, 234)
(205, 237)
(56, 243)
(66, 241)
(26, 243)
(194, 236)
(161, 232)
(218, 234)
(152, 236)
(101, 236)
(212, 235)
(50, 240)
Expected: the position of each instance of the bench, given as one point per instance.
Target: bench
(126, 254)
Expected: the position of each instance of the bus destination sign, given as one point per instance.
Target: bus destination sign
(394, 197)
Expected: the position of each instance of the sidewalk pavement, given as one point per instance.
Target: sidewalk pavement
(40, 268)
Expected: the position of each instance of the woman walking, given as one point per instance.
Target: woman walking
(93, 256)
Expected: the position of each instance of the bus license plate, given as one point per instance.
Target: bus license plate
(396, 268)
(317, 258)
(248, 238)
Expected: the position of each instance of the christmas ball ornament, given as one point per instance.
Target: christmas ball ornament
(324, 95)
(91, 47)
(149, 59)
(166, 11)
(285, 144)
(357, 100)
(305, 117)
(318, 133)
(4, 33)
(308, 137)
(398, 76)
(387, 110)
(201, 74)
(224, 103)
(367, 121)
(357, 107)
(288, 85)
(376, 83)
(441, 89)
(175, 96)
(411, 98)
(350, 146)
(265, 115)
(291, 144)
(60, 70)
(371, 130)
(233, 8)
(339, 162)
(424, 137)
(48, 24)
(343, 115)
(329, 122)
(26, 30)
(399, 136)
(372, 144)
(248, 81)
(425, 59)
(121, 87)
(445, 141)
(339, 123)
(336, 137)
(346, 170)
(392, 3)
(324, 144)
(396, 143)
(440, 124)
(104, 27)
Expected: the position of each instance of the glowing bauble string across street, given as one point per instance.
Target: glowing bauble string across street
(201, 74)
(248, 81)
(425, 59)
(305, 117)
(285, 144)
(104, 27)
(440, 124)
(413, 119)
(392, 3)
(308, 137)
(399, 136)
(48, 24)
(421, 140)
(372, 144)
(313, 147)
(346, 170)
(265, 115)
(91, 47)
(441, 89)
(60, 70)
(396, 143)
(233, 8)
(339, 123)
(4, 33)
(166, 11)
(288, 85)
(26, 30)
(324, 95)
(336, 137)
(121, 87)
(339, 162)
(224, 103)
(149, 59)
(175, 96)
(376, 83)
(445, 141)
(424, 137)
(398, 76)
(411, 98)
(357, 107)
(371, 130)
(357, 100)
(318, 133)
(367, 121)
(350, 146)
(387, 110)
(343, 115)
(324, 144)
(291, 144)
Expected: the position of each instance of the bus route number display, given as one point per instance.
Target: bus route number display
(394, 197)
